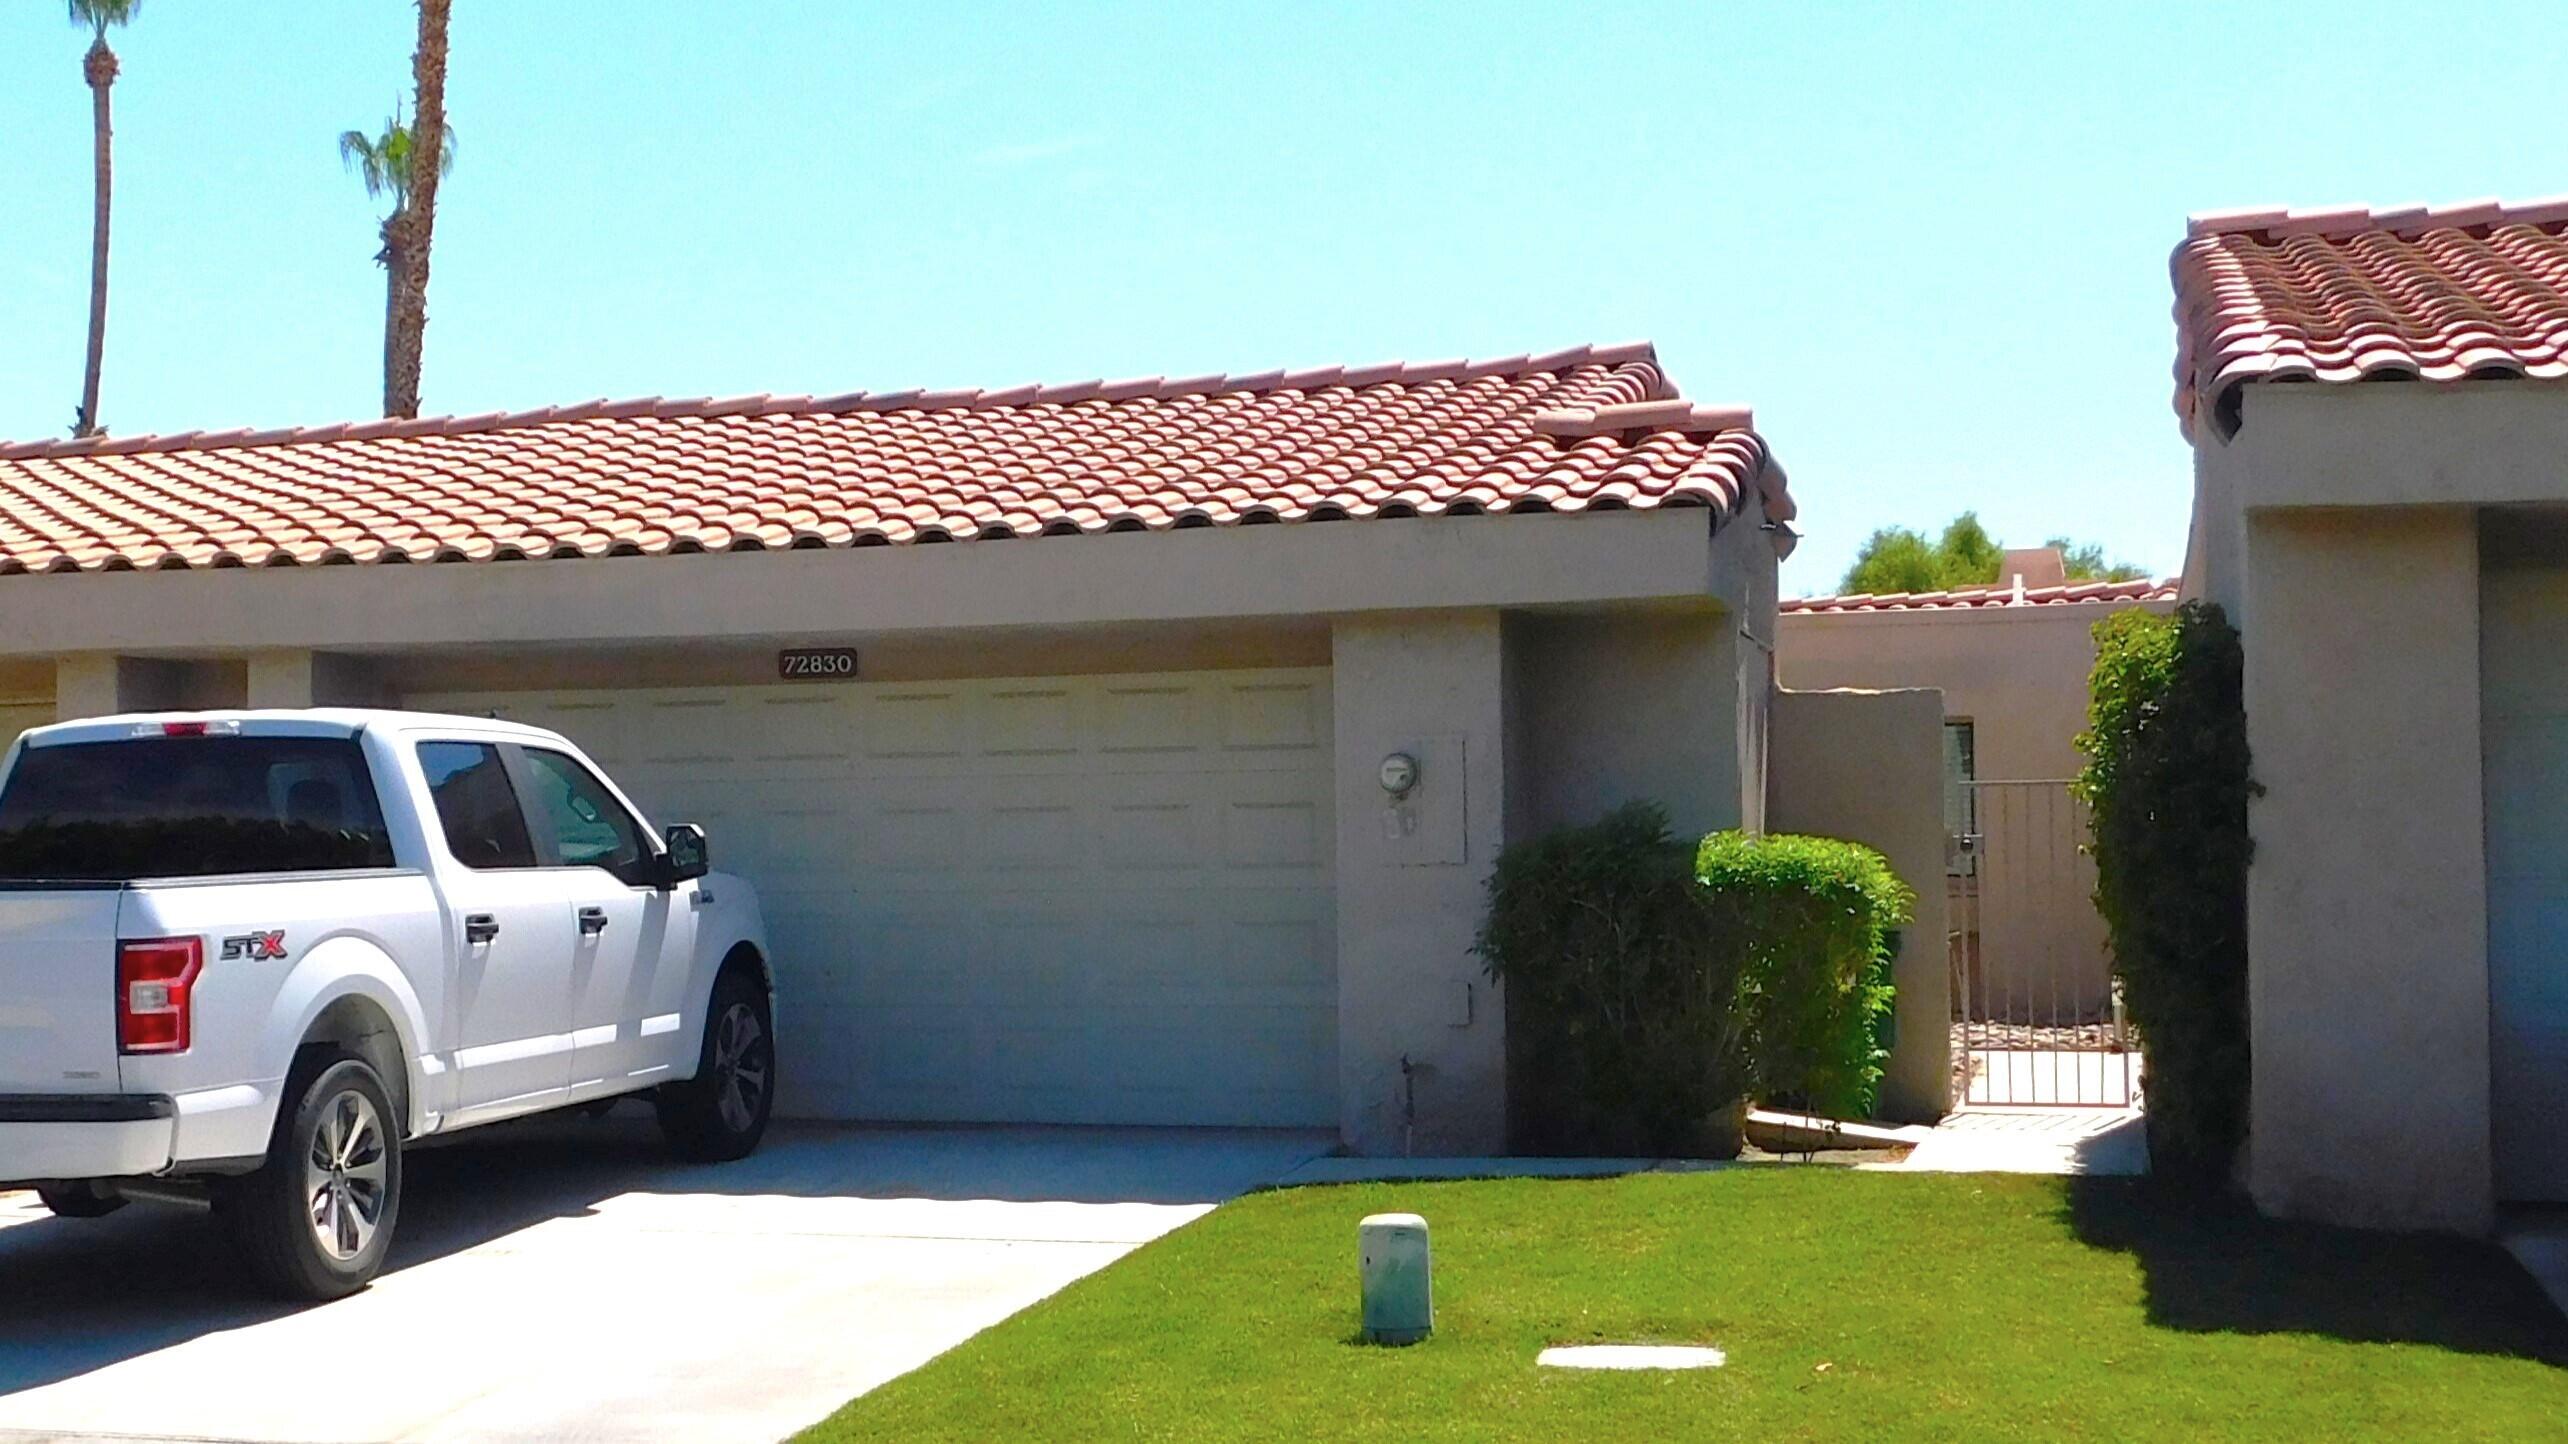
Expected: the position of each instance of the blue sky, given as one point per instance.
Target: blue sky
(1927, 242)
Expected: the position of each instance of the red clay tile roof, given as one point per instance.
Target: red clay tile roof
(1592, 428)
(2444, 293)
(1987, 598)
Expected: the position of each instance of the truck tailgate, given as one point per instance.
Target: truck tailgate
(58, 988)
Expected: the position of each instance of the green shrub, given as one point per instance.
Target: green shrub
(1813, 920)
(1654, 985)
(2166, 781)
(1624, 1030)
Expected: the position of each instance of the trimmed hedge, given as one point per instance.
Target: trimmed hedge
(1624, 1032)
(1654, 985)
(2167, 784)
(1814, 920)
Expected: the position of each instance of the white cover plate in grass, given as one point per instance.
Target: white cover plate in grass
(1630, 1356)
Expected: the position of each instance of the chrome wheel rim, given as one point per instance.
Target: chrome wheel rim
(344, 1175)
(742, 1062)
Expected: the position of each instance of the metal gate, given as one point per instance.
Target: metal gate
(2037, 1019)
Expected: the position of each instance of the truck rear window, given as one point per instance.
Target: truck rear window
(190, 807)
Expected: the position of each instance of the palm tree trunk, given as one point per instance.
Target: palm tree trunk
(418, 219)
(99, 69)
(390, 259)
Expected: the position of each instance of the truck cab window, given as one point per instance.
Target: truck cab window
(590, 828)
(476, 804)
(191, 807)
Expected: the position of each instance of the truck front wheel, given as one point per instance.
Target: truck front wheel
(721, 1113)
(315, 1220)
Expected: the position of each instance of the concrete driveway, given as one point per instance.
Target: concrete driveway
(562, 1280)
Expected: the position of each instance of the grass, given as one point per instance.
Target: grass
(1852, 1305)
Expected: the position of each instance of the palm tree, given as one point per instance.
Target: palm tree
(406, 162)
(409, 269)
(388, 163)
(98, 67)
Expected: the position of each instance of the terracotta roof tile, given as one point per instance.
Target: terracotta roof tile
(2431, 293)
(1583, 429)
(1987, 598)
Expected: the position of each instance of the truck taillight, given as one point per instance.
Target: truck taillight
(155, 981)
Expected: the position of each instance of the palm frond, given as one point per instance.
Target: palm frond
(366, 156)
(383, 161)
(100, 15)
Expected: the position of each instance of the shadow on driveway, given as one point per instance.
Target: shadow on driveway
(82, 1295)
(2216, 1266)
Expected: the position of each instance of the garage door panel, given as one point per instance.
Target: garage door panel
(1030, 721)
(1158, 716)
(1271, 836)
(913, 724)
(917, 1058)
(1153, 836)
(1032, 838)
(921, 839)
(1099, 900)
(1274, 716)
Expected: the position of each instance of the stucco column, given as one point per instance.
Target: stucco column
(1421, 1034)
(2367, 925)
(101, 684)
(299, 678)
(1868, 767)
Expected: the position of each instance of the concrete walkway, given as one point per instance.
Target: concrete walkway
(2035, 1140)
(563, 1280)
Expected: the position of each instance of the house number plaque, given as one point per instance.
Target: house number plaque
(817, 664)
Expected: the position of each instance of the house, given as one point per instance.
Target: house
(1059, 727)
(2012, 662)
(2381, 460)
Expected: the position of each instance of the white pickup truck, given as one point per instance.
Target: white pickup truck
(246, 956)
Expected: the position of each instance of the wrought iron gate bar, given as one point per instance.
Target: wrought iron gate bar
(2037, 1017)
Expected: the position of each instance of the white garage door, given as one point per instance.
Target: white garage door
(1056, 900)
(2524, 686)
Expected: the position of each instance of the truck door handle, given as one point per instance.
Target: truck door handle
(592, 922)
(480, 928)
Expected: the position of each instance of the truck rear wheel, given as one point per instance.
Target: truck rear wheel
(721, 1113)
(78, 1200)
(315, 1220)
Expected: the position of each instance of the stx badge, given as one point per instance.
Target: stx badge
(258, 947)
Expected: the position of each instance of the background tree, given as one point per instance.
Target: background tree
(1899, 559)
(388, 164)
(417, 220)
(98, 67)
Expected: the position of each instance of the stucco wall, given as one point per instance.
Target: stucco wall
(1747, 579)
(2337, 527)
(1868, 767)
(2367, 926)
(2017, 674)
(1623, 707)
(1410, 883)
(1199, 575)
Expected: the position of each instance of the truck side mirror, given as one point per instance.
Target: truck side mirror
(687, 856)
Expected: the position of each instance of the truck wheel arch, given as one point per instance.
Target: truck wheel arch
(346, 993)
(358, 1026)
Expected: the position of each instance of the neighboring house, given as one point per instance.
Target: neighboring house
(2012, 661)
(1050, 723)
(2395, 554)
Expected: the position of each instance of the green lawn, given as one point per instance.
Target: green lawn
(1852, 1305)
